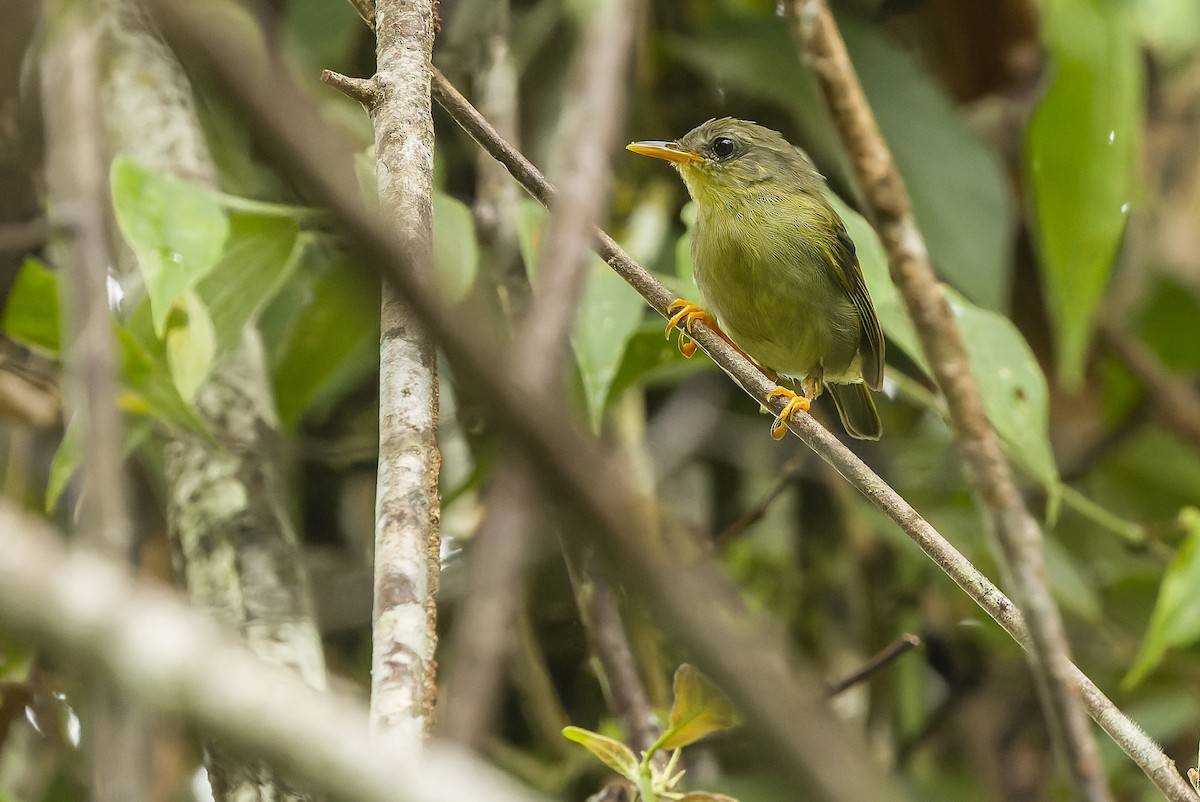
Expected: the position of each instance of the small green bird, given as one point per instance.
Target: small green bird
(775, 265)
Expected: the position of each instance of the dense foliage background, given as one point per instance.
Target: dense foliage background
(1052, 151)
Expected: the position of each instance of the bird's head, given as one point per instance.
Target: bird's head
(725, 159)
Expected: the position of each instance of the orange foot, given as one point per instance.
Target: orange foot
(795, 402)
(688, 313)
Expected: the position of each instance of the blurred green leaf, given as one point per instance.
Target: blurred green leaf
(191, 344)
(702, 796)
(31, 310)
(699, 709)
(323, 333)
(68, 457)
(610, 312)
(455, 252)
(1175, 622)
(177, 231)
(614, 754)
(259, 256)
(150, 388)
(1081, 158)
(1014, 390)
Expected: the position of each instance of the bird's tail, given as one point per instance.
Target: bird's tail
(857, 410)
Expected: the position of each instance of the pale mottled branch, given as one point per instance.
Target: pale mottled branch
(175, 660)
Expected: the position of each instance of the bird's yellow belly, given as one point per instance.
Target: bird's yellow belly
(778, 312)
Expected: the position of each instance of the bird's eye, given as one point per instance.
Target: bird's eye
(723, 147)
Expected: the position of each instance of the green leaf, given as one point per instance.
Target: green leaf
(610, 312)
(698, 710)
(614, 754)
(1175, 622)
(31, 311)
(1014, 390)
(959, 193)
(702, 796)
(177, 231)
(455, 250)
(1081, 158)
(150, 386)
(67, 459)
(259, 256)
(191, 345)
(323, 331)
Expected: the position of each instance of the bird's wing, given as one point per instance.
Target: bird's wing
(872, 336)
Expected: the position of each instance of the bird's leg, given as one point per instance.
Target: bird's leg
(689, 313)
(810, 388)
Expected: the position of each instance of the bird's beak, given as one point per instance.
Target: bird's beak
(664, 150)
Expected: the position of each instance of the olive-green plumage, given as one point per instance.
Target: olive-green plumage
(775, 265)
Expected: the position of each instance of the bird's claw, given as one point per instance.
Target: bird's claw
(688, 314)
(794, 403)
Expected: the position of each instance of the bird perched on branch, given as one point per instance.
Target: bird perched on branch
(777, 269)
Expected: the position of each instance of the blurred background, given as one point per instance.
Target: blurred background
(1052, 151)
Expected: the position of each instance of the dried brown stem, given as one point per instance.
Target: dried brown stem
(749, 664)
(1016, 533)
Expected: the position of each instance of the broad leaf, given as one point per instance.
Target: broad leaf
(1014, 390)
(176, 229)
(455, 251)
(614, 754)
(698, 710)
(323, 332)
(259, 256)
(31, 311)
(191, 345)
(1081, 158)
(1175, 622)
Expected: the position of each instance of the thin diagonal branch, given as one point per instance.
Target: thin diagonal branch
(1173, 398)
(751, 666)
(1015, 531)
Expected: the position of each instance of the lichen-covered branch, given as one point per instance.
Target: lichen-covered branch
(236, 550)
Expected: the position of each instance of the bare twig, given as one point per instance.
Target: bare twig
(1174, 399)
(899, 646)
(176, 660)
(363, 90)
(749, 664)
(1015, 531)
(23, 237)
(407, 509)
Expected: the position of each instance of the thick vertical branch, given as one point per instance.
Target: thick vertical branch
(78, 186)
(237, 552)
(407, 536)
(1015, 531)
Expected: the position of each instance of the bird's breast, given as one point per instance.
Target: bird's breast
(770, 284)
